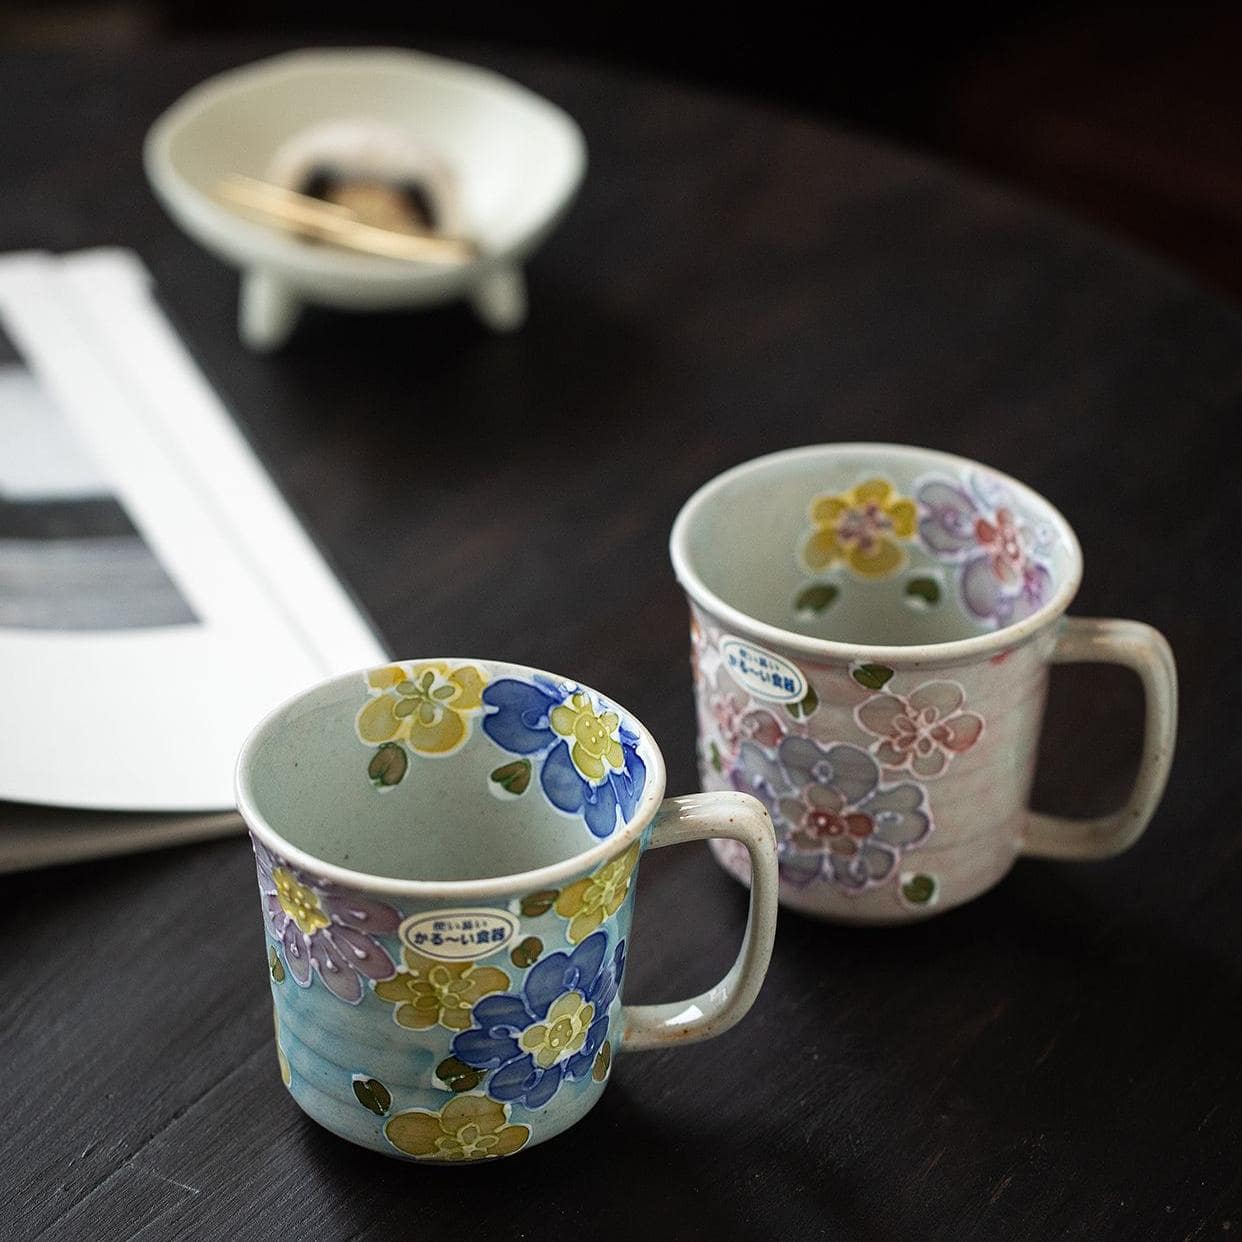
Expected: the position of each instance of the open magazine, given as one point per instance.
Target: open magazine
(157, 596)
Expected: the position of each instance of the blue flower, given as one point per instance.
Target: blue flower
(590, 759)
(550, 1032)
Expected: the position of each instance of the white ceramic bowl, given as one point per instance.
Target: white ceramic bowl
(518, 160)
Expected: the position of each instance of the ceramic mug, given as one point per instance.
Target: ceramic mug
(446, 854)
(872, 628)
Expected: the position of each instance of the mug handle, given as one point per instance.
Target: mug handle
(696, 817)
(1138, 647)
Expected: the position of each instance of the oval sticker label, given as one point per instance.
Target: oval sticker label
(459, 935)
(765, 674)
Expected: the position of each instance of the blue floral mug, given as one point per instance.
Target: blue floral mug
(872, 627)
(446, 854)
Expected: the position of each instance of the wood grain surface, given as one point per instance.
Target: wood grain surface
(1059, 1059)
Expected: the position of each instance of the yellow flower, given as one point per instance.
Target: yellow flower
(603, 1062)
(588, 902)
(426, 706)
(563, 1033)
(594, 751)
(299, 902)
(470, 1127)
(283, 1061)
(430, 992)
(861, 527)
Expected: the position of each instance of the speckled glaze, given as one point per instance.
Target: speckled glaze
(872, 628)
(445, 1020)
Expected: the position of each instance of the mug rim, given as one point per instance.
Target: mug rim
(830, 649)
(550, 876)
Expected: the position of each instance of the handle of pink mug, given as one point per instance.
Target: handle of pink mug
(1138, 647)
(695, 818)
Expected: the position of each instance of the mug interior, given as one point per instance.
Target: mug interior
(874, 544)
(447, 770)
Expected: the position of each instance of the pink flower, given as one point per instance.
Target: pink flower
(727, 712)
(821, 823)
(762, 727)
(737, 717)
(1003, 541)
(1003, 572)
(922, 732)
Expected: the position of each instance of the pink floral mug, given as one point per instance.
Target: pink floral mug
(872, 628)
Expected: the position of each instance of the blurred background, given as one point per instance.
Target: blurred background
(1128, 115)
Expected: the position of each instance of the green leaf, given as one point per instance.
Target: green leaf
(456, 1075)
(805, 706)
(717, 762)
(526, 953)
(919, 889)
(817, 597)
(539, 903)
(926, 589)
(513, 777)
(277, 966)
(373, 1094)
(872, 676)
(388, 765)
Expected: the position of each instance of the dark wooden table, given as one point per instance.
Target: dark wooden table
(1063, 1058)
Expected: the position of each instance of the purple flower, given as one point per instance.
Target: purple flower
(833, 817)
(1002, 575)
(323, 929)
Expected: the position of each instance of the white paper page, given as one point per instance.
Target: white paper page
(152, 718)
(226, 488)
(39, 457)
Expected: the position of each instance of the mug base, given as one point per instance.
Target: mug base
(930, 882)
(343, 1118)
